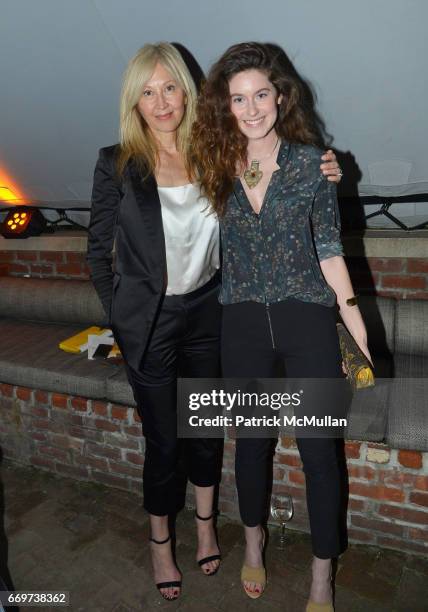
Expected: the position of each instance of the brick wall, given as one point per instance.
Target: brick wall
(388, 499)
(44, 264)
(394, 277)
(72, 436)
(398, 277)
(102, 442)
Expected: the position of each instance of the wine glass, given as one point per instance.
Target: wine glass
(282, 510)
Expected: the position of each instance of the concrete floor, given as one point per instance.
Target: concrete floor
(92, 541)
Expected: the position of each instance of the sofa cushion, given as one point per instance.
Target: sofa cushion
(411, 366)
(51, 300)
(30, 357)
(119, 390)
(407, 425)
(411, 327)
(367, 414)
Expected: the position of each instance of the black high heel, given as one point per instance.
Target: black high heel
(202, 562)
(171, 583)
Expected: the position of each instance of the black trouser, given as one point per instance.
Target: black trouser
(304, 336)
(185, 342)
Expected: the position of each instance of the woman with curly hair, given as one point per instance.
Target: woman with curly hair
(161, 295)
(255, 143)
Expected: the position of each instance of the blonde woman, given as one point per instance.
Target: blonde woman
(161, 297)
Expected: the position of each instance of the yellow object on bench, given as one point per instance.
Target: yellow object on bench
(79, 342)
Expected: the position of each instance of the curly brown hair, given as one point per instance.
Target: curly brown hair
(219, 147)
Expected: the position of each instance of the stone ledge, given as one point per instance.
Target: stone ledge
(386, 243)
(67, 240)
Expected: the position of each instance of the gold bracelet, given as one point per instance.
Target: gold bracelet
(352, 301)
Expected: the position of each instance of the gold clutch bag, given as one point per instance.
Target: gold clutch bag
(359, 369)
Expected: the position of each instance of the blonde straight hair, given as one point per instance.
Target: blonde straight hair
(136, 139)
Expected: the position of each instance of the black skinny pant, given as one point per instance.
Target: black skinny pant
(185, 342)
(304, 335)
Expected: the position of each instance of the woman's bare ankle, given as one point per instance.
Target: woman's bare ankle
(321, 589)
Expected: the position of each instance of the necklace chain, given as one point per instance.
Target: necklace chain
(259, 159)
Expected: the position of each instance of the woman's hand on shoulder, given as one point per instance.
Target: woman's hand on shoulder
(330, 168)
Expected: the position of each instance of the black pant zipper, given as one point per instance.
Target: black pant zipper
(270, 324)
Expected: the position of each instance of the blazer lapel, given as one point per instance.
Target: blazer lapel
(147, 199)
(150, 213)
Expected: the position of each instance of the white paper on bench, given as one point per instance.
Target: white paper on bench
(95, 340)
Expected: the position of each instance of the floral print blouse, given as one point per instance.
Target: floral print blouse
(275, 254)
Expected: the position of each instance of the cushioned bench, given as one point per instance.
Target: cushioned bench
(36, 314)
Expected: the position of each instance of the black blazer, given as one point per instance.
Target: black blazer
(127, 212)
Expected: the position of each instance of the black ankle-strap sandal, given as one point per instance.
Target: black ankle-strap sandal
(202, 562)
(171, 583)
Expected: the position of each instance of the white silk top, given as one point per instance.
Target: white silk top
(192, 239)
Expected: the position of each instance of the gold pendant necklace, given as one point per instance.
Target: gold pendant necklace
(253, 176)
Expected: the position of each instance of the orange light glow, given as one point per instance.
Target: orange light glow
(7, 194)
(9, 188)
